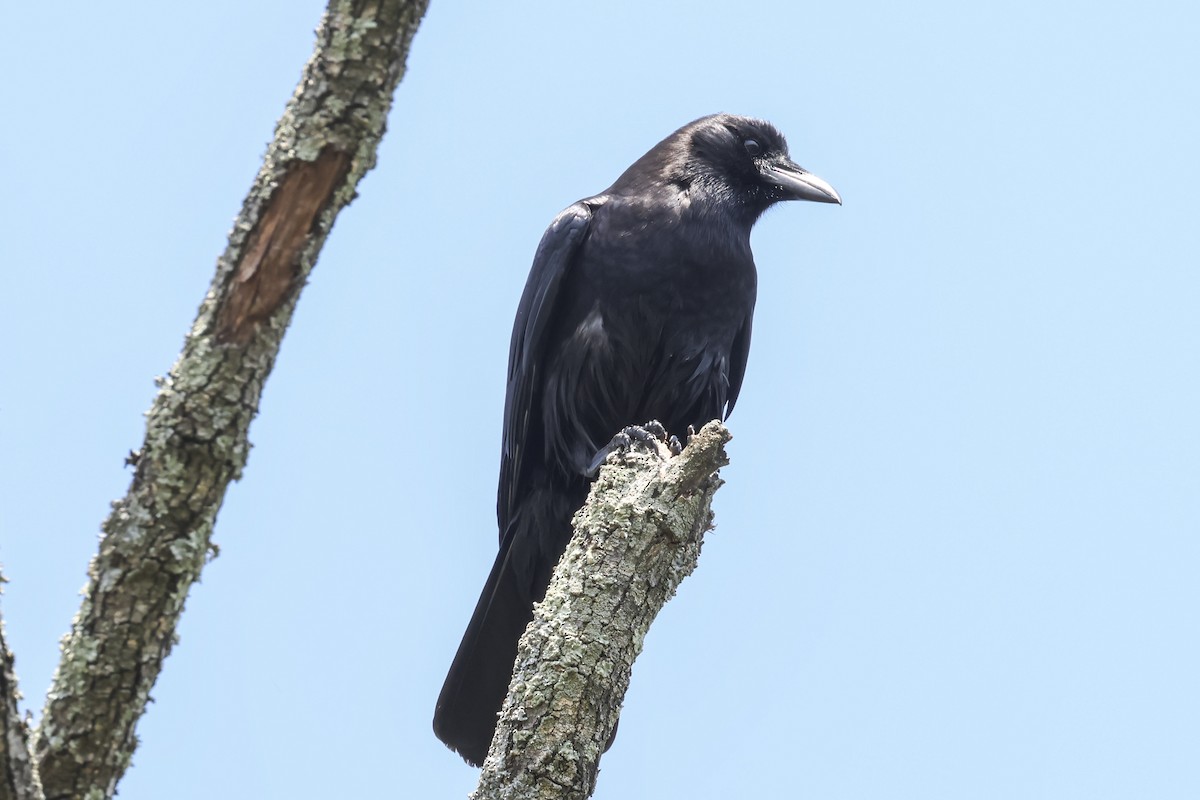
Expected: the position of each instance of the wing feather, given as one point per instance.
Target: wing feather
(737, 364)
(551, 263)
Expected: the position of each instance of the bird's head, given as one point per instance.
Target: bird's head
(735, 162)
(748, 158)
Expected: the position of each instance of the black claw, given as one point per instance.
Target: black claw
(654, 428)
(644, 433)
(621, 441)
(648, 434)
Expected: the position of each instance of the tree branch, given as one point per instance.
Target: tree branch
(157, 538)
(636, 538)
(17, 781)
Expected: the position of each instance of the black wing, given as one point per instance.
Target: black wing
(737, 363)
(553, 259)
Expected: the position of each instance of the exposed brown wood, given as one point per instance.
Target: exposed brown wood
(269, 271)
(158, 537)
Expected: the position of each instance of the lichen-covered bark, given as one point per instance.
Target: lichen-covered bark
(157, 538)
(636, 538)
(17, 781)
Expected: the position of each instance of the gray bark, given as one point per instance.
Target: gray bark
(157, 538)
(636, 538)
(17, 782)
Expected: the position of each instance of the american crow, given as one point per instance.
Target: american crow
(637, 308)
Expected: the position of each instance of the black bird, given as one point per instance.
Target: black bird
(637, 308)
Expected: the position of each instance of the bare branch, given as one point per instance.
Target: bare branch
(156, 540)
(17, 782)
(636, 538)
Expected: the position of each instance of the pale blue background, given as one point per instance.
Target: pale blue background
(957, 554)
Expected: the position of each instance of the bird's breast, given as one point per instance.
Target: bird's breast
(647, 327)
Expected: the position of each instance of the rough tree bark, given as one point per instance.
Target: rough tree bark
(157, 538)
(17, 782)
(636, 538)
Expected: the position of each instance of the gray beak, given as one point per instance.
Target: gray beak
(798, 184)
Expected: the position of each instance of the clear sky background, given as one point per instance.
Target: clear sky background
(957, 555)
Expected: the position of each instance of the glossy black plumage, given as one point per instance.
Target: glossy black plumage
(638, 307)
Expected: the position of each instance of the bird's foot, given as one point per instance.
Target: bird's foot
(648, 435)
(676, 445)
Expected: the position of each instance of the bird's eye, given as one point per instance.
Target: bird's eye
(752, 147)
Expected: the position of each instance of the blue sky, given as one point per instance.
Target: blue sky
(957, 550)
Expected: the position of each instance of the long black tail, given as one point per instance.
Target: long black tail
(465, 718)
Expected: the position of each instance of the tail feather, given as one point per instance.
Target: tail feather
(465, 718)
